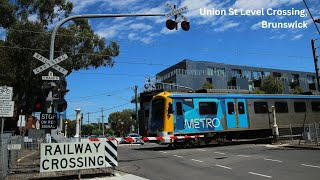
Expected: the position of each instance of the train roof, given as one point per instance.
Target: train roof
(246, 96)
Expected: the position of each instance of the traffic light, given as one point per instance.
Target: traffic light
(47, 87)
(39, 105)
(61, 105)
(171, 24)
(59, 102)
(185, 25)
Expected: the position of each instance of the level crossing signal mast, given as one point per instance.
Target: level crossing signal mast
(173, 24)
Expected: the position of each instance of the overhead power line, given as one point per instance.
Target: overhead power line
(314, 22)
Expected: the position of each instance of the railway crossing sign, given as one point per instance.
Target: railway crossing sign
(176, 12)
(47, 64)
(50, 77)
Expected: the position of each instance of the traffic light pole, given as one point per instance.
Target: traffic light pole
(54, 32)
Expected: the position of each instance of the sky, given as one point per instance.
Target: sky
(148, 47)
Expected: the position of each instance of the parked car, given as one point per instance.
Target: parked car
(134, 138)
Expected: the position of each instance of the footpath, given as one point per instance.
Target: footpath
(28, 167)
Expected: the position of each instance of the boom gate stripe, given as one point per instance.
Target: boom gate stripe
(111, 154)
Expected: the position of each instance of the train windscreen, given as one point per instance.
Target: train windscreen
(157, 114)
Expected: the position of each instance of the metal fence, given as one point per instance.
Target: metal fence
(307, 133)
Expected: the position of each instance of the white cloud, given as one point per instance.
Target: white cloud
(165, 30)
(256, 26)
(299, 36)
(140, 26)
(278, 36)
(226, 26)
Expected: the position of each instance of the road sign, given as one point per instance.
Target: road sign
(50, 77)
(14, 146)
(6, 108)
(176, 12)
(48, 121)
(6, 93)
(49, 64)
(72, 156)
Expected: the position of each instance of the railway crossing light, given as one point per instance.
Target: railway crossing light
(171, 24)
(317, 20)
(185, 25)
(39, 105)
(60, 103)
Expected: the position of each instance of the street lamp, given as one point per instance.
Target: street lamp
(65, 128)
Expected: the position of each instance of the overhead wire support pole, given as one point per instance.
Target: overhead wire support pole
(305, 3)
(315, 58)
(55, 30)
(136, 103)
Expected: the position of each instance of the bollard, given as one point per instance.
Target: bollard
(275, 130)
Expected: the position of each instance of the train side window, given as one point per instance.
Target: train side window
(230, 108)
(299, 106)
(281, 107)
(179, 108)
(207, 108)
(241, 107)
(315, 106)
(260, 107)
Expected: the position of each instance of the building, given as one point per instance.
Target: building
(194, 74)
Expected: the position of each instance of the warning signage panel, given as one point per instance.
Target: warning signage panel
(6, 108)
(48, 121)
(72, 156)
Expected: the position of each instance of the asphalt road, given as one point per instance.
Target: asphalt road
(233, 162)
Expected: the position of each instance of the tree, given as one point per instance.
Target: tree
(297, 90)
(25, 37)
(271, 85)
(121, 122)
(207, 85)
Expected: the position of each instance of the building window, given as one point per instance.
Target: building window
(247, 74)
(256, 74)
(179, 108)
(210, 71)
(209, 80)
(295, 77)
(310, 79)
(315, 106)
(299, 106)
(241, 108)
(265, 74)
(236, 73)
(206, 108)
(277, 74)
(260, 107)
(281, 107)
(230, 108)
(220, 71)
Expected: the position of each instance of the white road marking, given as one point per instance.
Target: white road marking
(163, 152)
(201, 150)
(241, 155)
(223, 166)
(260, 175)
(26, 156)
(219, 153)
(310, 165)
(272, 160)
(178, 156)
(196, 160)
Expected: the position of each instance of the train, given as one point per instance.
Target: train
(222, 117)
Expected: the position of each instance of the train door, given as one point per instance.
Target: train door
(236, 113)
(179, 117)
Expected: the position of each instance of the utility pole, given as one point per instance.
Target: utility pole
(98, 123)
(315, 58)
(88, 118)
(136, 102)
(102, 121)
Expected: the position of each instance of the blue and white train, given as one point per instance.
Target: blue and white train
(228, 116)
